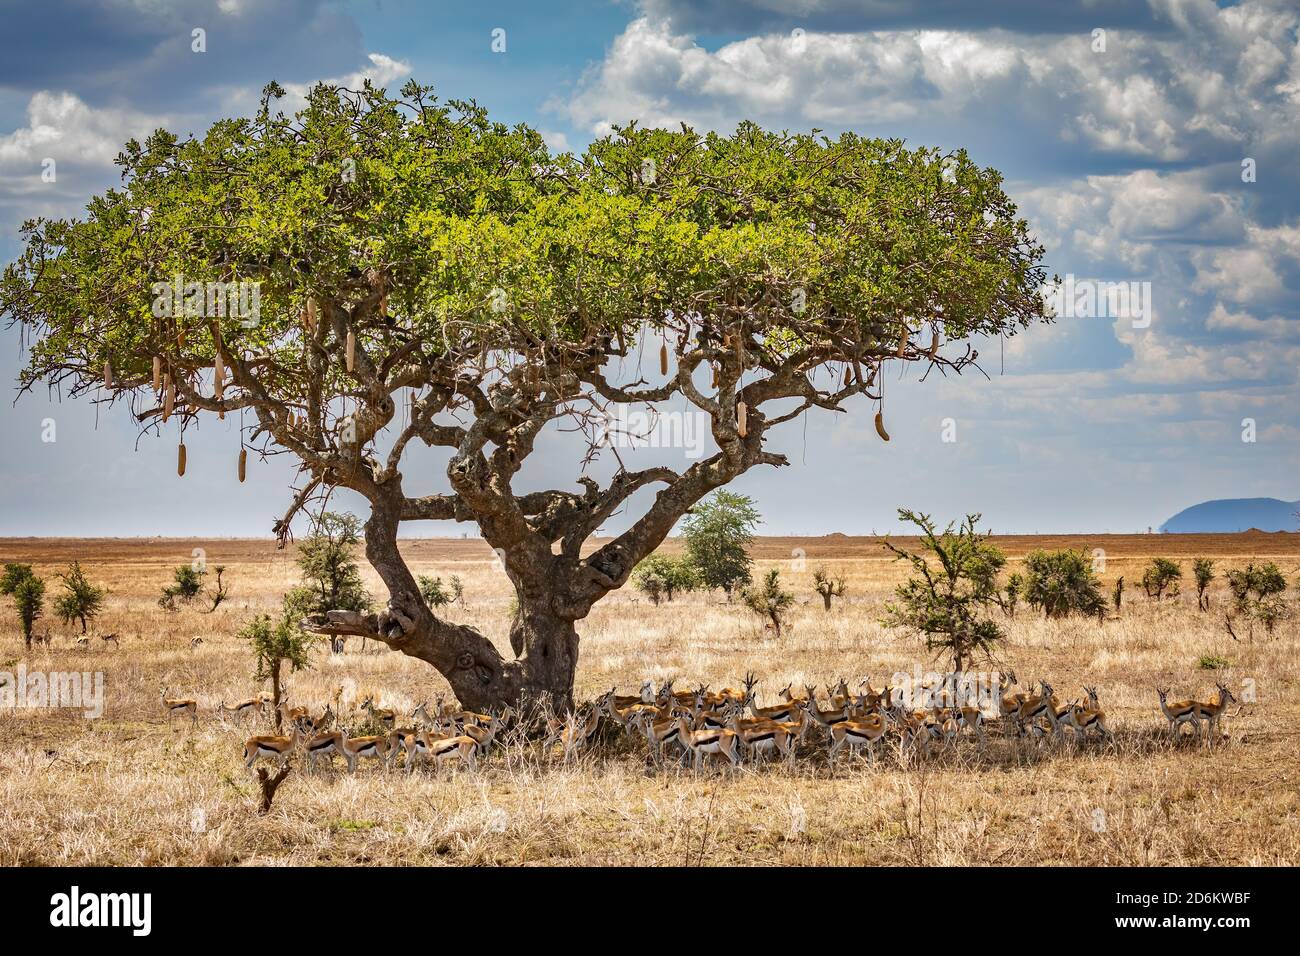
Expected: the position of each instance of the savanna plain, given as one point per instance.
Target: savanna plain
(131, 789)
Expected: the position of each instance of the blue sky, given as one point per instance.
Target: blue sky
(1126, 160)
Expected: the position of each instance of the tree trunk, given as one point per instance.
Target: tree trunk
(545, 641)
(275, 694)
(826, 599)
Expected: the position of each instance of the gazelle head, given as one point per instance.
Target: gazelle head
(1093, 702)
(1225, 695)
(1046, 689)
(750, 683)
(1163, 692)
(647, 692)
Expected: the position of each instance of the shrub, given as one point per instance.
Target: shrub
(950, 604)
(28, 592)
(660, 576)
(434, 594)
(768, 600)
(1161, 575)
(81, 600)
(187, 583)
(1203, 571)
(1062, 583)
(275, 643)
(718, 533)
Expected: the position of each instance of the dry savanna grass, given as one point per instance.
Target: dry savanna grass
(130, 789)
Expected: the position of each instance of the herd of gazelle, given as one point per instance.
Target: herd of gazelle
(696, 725)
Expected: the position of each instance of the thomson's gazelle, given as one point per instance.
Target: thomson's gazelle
(278, 748)
(178, 706)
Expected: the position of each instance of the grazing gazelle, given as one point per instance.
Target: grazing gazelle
(646, 696)
(714, 740)
(178, 706)
(856, 734)
(243, 708)
(579, 731)
(372, 748)
(424, 746)
(484, 734)
(111, 639)
(766, 736)
(1179, 712)
(1033, 707)
(278, 748)
(789, 710)
(1211, 711)
(325, 745)
(385, 715)
(1086, 717)
(827, 718)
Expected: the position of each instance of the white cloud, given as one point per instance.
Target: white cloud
(60, 125)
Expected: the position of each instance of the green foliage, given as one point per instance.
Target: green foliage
(1203, 571)
(275, 643)
(1061, 583)
(949, 604)
(187, 584)
(14, 575)
(1011, 593)
(1212, 662)
(81, 600)
(660, 577)
(433, 591)
(1257, 594)
(454, 207)
(827, 586)
(1160, 575)
(768, 600)
(28, 593)
(718, 533)
(328, 562)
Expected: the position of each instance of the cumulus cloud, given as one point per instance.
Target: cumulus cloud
(61, 126)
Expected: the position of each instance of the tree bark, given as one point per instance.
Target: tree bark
(275, 695)
(544, 640)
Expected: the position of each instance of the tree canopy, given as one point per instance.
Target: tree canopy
(408, 270)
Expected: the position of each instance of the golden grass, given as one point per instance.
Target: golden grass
(128, 789)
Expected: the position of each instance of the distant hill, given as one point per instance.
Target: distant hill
(1235, 514)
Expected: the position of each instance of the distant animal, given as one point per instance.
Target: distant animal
(177, 706)
(243, 709)
(111, 639)
(195, 642)
(83, 642)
